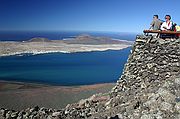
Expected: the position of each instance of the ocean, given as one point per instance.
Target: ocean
(24, 35)
(67, 69)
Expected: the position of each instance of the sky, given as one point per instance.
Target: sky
(84, 15)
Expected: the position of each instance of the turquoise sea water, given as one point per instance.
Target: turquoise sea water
(65, 69)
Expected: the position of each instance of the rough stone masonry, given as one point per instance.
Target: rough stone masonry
(149, 88)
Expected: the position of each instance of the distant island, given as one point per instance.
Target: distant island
(82, 43)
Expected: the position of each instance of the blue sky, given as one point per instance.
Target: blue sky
(84, 15)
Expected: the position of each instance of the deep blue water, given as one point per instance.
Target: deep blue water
(65, 69)
(25, 35)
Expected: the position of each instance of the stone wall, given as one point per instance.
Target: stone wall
(149, 87)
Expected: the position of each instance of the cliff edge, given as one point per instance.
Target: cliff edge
(149, 88)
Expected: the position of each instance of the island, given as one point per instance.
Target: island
(81, 43)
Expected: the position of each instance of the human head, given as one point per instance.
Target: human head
(167, 17)
(155, 16)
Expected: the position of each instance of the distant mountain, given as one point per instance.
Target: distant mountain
(39, 39)
(87, 39)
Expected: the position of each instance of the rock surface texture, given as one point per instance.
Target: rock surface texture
(149, 88)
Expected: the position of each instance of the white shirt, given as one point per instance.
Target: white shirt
(168, 25)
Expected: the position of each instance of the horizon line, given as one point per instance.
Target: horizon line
(67, 31)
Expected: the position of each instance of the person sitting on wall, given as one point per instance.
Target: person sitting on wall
(156, 23)
(167, 25)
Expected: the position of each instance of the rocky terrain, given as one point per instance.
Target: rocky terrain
(82, 43)
(149, 88)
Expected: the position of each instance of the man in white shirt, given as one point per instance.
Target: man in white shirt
(167, 25)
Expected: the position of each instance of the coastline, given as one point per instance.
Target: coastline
(39, 48)
(18, 95)
(35, 52)
(21, 95)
